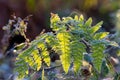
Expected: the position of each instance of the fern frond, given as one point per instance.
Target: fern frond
(55, 20)
(64, 43)
(32, 56)
(37, 60)
(22, 68)
(88, 23)
(77, 50)
(95, 28)
(98, 55)
(52, 42)
(100, 35)
(67, 41)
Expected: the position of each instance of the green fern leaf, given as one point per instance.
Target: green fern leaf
(22, 68)
(30, 56)
(55, 22)
(29, 60)
(100, 35)
(81, 18)
(98, 55)
(46, 57)
(44, 52)
(52, 42)
(76, 18)
(54, 18)
(26, 52)
(95, 28)
(67, 41)
(37, 59)
(77, 50)
(88, 22)
(64, 43)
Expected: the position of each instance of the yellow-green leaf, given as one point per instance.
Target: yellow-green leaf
(54, 18)
(29, 60)
(46, 57)
(65, 60)
(37, 59)
(27, 51)
(77, 50)
(41, 46)
(64, 43)
(76, 17)
(81, 18)
(100, 35)
(96, 27)
(98, 55)
(88, 22)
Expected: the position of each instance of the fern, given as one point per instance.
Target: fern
(95, 28)
(52, 42)
(100, 35)
(21, 68)
(64, 43)
(37, 60)
(98, 55)
(44, 53)
(34, 56)
(77, 50)
(71, 38)
(88, 23)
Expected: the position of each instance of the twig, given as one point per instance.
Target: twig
(87, 46)
(51, 68)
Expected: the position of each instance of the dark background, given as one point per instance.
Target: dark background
(40, 9)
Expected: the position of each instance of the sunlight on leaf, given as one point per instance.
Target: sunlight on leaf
(96, 27)
(88, 22)
(46, 57)
(100, 35)
(65, 50)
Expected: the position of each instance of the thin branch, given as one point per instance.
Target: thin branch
(88, 46)
(51, 68)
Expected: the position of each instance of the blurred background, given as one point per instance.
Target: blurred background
(100, 10)
(105, 10)
(40, 9)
